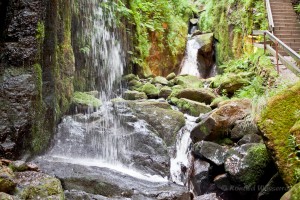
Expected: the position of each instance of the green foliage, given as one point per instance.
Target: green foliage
(297, 8)
(232, 20)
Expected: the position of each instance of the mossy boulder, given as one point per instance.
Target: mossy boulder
(206, 42)
(150, 90)
(248, 164)
(35, 185)
(134, 95)
(171, 76)
(130, 77)
(165, 92)
(220, 121)
(159, 80)
(84, 102)
(165, 121)
(188, 81)
(4, 196)
(191, 107)
(199, 95)
(134, 84)
(278, 123)
(7, 183)
(292, 194)
(230, 83)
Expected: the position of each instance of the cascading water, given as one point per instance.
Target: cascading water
(190, 62)
(101, 139)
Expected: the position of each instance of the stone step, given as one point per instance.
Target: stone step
(286, 21)
(290, 16)
(281, 24)
(290, 32)
(289, 40)
(281, 36)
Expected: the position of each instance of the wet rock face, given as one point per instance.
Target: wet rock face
(18, 49)
(19, 31)
(17, 93)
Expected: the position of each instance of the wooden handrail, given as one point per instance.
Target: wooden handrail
(284, 47)
(270, 16)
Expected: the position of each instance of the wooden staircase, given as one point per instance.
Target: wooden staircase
(286, 24)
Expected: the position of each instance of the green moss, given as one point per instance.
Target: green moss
(189, 81)
(46, 188)
(276, 121)
(150, 89)
(86, 99)
(257, 159)
(232, 21)
(39, 135)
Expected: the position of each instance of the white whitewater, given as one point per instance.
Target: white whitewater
(189, 64)
(182, 152)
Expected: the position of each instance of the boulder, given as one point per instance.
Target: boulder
(83, 102)
(159, 80)
(205, 54)
(35, 185)
(130, 77)
(292, 194)
(165, 92)
(4, 196)
(200, 177)
(190, 107)
(171, 76)
(242, 128)
(111, 183)
(134, 84)
(275, 122)
(166, 122)
(7, 182)
(134, 95)
(221, 120)
(210, 151)
(150, 90)
(188, 81)
(248, 164)
(230, 84)
(199, 95)
(250, 138)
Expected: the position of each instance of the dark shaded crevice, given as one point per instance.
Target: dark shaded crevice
(3, 13)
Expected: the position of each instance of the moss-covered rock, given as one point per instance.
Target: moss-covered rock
(85, 99)
(188, 81)
(292, 194)
(230, 83)
(190, 107)
(165, 92)
(4, 196)
(35, 185)
(150, 90)
(278, 123)
(159, 80)
(130, 77)
(199, 95)
(134, 95)
(7, 183)
(171, 76)
(248, 164)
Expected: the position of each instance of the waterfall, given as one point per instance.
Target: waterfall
(98, 135)
(190, 63)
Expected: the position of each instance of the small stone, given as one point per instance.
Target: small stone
(171, 76)
(165, 92)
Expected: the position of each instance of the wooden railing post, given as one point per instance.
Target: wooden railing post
(277, 56)
(265, 45)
